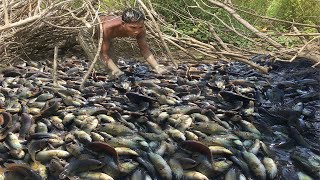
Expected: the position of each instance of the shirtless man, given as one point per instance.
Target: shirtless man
(130, 24)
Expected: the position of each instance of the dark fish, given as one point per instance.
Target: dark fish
(21, 170)
(49, 109)
(299, 138)
(77, 166)
(231, 96)
(44, 136)
(11, 72)
(187, 163)
(197, 146)
(6, 119)
(243, 165)
(136, 98)
(1, 120)
(35, 146)
(55, 167)
(102, 147)
(148, 166)
(308, 160)
(26, 122)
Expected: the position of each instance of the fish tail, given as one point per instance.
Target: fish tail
(63, 174)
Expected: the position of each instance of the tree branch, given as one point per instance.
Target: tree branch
(85, 77)
(159, 32)
(6, 14)
(246, 24)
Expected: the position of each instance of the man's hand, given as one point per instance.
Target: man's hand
(160, 69)
(117, 73)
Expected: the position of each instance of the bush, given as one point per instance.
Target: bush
(302, 11)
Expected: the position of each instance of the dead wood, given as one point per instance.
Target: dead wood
(55, 64)
(157, 28)
(96, 57)
(245, 23)
(32, 29)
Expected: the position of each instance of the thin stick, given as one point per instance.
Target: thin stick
(315, 65)
(219, 40)
(32, 18)
(237, 57)
(302, 48)
(159, 32)
(173, 43)
(302, 38)
(226, 25)
(38, 8)
(299, 34)
(85, 77)
(6, 14)
(54, 69)
(246, 23)
(275, 19)
(181, 48)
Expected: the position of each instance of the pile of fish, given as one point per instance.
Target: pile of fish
(200, 121)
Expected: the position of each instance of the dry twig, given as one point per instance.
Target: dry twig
(54, 69)
(159, 32)
(301, 49)
(85, 77)
(245, 23)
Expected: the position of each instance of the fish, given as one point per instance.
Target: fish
(271, 167)
(35, 146)
(160, 165)
(197, 146)
(21, 171)
(26, 122)
(176, 167)
(231, 174)
(255, 165)
(94, 176)
(209, 128)
(199, 121)
(102, 147)
(78, 166)
(194, 175)
(46, 155)
(126, 151)
(147, 165)
(13, 141)
(55, 167)
(116, 129)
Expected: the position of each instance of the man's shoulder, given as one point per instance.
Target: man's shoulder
(110, 19)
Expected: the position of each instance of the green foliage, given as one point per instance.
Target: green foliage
(288, 41)
(258, 7)
(303, 11)
(116, 5)
(186, 17)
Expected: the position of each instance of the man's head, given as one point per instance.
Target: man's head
(133, 21)
(132, 15)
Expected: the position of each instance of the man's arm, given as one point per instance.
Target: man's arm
(146, 53)
(105, 57)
